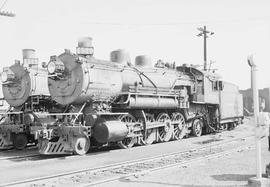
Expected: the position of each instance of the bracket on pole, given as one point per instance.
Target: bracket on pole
(250, 61)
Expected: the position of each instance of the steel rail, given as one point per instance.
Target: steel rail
(14, 151)
(189, 161)
(19, 157)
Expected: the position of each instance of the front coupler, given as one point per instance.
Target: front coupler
(8, 133)
(64, 140)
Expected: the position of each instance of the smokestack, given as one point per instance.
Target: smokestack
(29, 59)
(85, 46)
(28, 53)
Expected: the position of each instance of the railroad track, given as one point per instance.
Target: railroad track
(103, 174)
(19, 157)
(13, 154)
(37, 156)
(23, 155)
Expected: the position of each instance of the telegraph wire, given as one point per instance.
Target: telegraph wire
(179, 23)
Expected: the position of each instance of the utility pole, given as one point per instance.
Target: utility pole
(261, 122)
(205, 33)
(256, 115)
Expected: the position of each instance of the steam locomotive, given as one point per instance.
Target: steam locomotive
(116, 102)
(25, 89)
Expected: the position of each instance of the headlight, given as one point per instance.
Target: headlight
(51, 67)
(4, 76)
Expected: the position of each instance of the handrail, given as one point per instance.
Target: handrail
(141, 73)
(76, 117)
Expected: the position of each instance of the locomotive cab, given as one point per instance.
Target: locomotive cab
(207, 84)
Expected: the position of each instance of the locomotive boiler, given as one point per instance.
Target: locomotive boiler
(116, 102)
(24, 87)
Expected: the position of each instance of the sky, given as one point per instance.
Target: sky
(162, 29)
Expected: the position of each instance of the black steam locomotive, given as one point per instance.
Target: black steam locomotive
(116, 102)
(25, 89)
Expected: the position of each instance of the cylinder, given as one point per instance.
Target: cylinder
(120, 56)
(85, 42)
(143, 60)
(28, 53)
(109, 131)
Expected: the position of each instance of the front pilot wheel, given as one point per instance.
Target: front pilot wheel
(81, 145)
(20, 141)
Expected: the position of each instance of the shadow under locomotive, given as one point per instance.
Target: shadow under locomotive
(20, 157)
